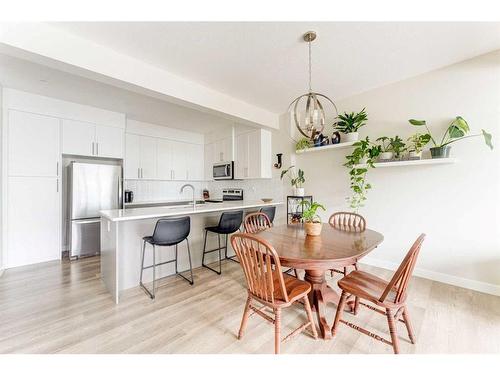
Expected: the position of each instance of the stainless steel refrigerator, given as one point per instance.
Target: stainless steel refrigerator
(91, 188)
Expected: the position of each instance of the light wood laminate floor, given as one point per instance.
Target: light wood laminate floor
(62, 307)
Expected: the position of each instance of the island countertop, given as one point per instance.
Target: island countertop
(128, 214)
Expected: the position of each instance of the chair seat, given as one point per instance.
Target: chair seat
(150, 240)
(217, 229)
(365, 285)
(295, 288)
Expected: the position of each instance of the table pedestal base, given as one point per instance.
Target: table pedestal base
(321, 294)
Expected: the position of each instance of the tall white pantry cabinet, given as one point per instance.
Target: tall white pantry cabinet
(36, 132)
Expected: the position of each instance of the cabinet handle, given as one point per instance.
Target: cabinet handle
(97, 148)
(142, 174)
(57, 169)
(138, 172)
(57, 186)
(92, 148)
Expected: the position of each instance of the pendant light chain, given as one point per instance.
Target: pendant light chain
(310, 68)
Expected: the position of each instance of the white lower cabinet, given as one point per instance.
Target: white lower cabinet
(33, 220)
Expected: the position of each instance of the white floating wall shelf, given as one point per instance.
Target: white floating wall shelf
(326, 148)
(411, 162)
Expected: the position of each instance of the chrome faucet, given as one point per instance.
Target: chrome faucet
(192, 187)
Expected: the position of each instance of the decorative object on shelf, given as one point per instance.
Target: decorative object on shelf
(320, 140)
(456, 131)
(358, 162)
(294, 208)
(312, 221)
(349, 124)
(296, 179)
(302, 144)
(278, 164)
(335, 138)
(417, 143)
(309, 104)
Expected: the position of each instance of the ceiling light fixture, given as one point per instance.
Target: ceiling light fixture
(311, 119)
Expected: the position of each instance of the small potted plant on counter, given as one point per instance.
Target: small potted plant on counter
(312, 221)
(456, 131)
(416, 144)
(349, 123)
(296, 179)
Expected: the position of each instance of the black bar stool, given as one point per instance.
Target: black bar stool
(270, 211)
(229, 222)
(168, 232)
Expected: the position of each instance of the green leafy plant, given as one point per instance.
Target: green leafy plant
(364, 151)
(456, 131)
(351, 122)
(296, 178)
(310, 211)
(395, 145)
(418, 142)
(302, 144)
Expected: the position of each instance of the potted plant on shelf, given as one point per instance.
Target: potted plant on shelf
(456, 131)
(417, 143)
(302, 144)
(397, 146)
(349, 124)
(390, 148)
(312, 221)
(296, 179)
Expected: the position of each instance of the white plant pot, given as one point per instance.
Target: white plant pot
(299, 192)
(386, 155)
(415, 154)
(349, 137)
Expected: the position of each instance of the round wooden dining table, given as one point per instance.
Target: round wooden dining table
(333, 248)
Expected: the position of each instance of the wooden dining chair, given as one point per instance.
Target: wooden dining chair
(269, 287)
(390, 296)
(349, 222)
(257, 222)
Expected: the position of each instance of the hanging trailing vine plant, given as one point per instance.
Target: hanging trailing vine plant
(358, 162)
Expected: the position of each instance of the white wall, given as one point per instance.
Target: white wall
(1, 183)
(456, 205)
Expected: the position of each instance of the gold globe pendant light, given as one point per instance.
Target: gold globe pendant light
(308, 111)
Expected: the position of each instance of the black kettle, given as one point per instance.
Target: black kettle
(129, 196)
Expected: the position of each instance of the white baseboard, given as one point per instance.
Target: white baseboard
(479, 286)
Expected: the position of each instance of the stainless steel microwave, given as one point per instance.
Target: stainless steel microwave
(223, 171)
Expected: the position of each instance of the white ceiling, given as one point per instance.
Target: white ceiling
(42, 80)
(265, 64)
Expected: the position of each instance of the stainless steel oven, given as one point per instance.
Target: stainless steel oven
(223, 171)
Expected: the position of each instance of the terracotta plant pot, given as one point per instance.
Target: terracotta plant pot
(313, 229)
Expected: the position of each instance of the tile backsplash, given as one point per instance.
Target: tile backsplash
(157, 191)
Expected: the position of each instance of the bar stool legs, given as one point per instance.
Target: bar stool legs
(152, 294)
(233, 258)
(211, 251)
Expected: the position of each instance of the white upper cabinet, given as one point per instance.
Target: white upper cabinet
(33, 145)
(132, 156)
(223, 150)
(86, 139)
(179, 161)
(109, 142)
(195, 155)
(78, 138)
(140, 157)
(148, 157)
(209, 160)
(253, 155)
(164, 163)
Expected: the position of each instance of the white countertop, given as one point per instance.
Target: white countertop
(165, 211)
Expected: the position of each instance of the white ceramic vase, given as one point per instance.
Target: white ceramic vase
(386, 155)
(299, 192)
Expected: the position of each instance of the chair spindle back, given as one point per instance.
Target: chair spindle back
(261, 266)
(257, 222)
(400, 280)
(348, 221)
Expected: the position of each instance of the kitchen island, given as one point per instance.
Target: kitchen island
(121, 240)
